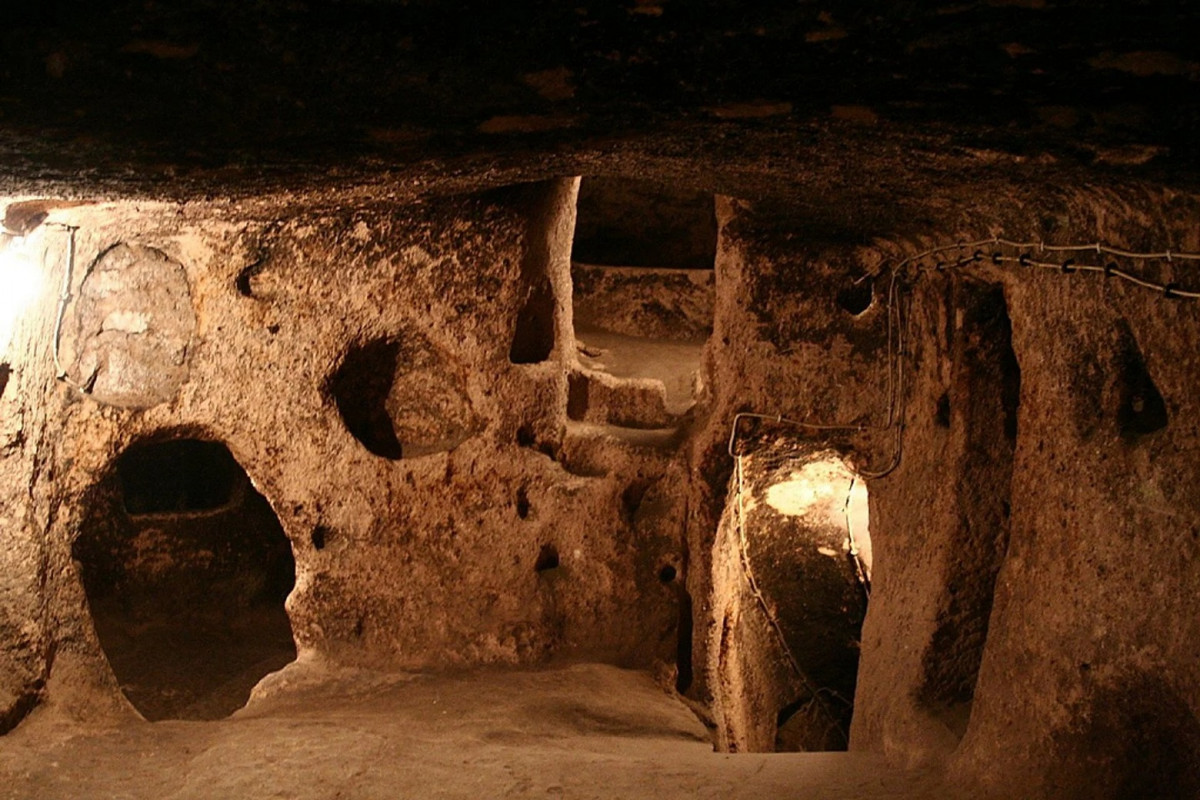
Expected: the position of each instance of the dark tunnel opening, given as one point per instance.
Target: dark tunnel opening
(186, 570)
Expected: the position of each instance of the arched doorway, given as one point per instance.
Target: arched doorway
(792, 580)
(186, 570)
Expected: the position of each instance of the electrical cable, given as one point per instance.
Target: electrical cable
(897, 320)
(860, 568)
(64, 298)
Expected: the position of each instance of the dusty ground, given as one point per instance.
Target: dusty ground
(584, 731)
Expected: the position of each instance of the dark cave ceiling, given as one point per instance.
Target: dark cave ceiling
(179, 98)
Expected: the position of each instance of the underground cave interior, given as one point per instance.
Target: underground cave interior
(513, 471)
(186, 567)
(207, 575)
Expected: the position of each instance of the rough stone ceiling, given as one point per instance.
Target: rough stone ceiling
(858, 103)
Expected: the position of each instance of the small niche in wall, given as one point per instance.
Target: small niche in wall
(533, 340)
(186, 569)
(1141, 409)
(643, 291)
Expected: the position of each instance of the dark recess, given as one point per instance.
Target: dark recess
(526, 437)
(632, 497)
(5, 374)
(547, 559)
(630, 223)
(19, 710)
(533, 341)
(320, 537)
(577, 397)
(684, 673)
(360, 388)
(246, 275)
(533, 336)
(178, 475)
(941, 415)
(522, 503)
(855, 298)
(817, 734)
(1141, 408)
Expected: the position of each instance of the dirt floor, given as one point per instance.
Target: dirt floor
(196, 670)
(676, 364)
(582, 731)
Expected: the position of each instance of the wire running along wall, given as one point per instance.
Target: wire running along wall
(906, 271)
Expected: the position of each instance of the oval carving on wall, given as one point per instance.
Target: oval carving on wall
(135, 325)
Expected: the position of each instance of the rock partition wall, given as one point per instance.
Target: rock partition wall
(431, 559)
(1047, 468)
(28, 433)
(1090, 670)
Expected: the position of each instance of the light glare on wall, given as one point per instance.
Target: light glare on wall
(20, 284)
(827, 492)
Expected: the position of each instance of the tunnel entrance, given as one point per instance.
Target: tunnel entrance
(186, 570)
(643, 293)
(795, 579)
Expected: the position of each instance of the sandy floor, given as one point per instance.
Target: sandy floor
(195, 668)
(674, 363)
(583, 732)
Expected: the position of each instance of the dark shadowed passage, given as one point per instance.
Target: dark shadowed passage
(186, 570)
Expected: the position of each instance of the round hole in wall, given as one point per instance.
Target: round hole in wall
(856, 295)
(402, 397)
(667, 573)
(360, 388)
